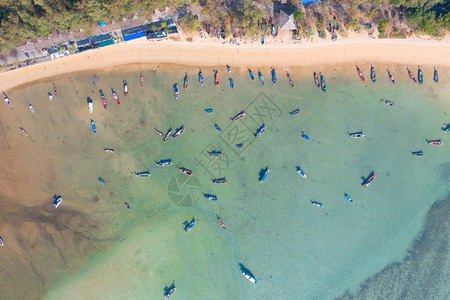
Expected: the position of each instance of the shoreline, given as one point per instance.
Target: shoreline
(213, 54)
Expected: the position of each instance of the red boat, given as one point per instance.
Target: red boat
(390, 76)
(435, 143)
(186, 82)
(221, 223)
(411, 75)
(360, 74)
(105, 105)
(115, 97)
(238, 117)
(216, 78)
(125, 88)
(186, 171)
(178, 133)
(369, 180)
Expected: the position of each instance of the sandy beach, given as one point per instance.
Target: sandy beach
(211, 53)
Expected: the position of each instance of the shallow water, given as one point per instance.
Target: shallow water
(294, 249)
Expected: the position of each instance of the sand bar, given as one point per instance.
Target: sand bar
(410, 51)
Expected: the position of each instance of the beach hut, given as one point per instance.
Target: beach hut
(286, 20)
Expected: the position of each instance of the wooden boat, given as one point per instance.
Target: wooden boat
(55, 92)
(290, 79)
(318, 204)
(369, 180)
(23, 131)
(168, 135)
(200, 78)
(125, 88)
(210, 197)
(417, 153)
(435, 75)
(260, 130)
(411, 75)
(373, 76)
(115, 96)
(164, 163)
(229, 70)
(316, 80)
(238, 116)
(261, 78)
(94, 128)
(221, 223)
(190, 225)
(91, 106)
(251, 74)
(435, 143)
(360, 74)
(142, 80)
(215, 154)
(31, 108)
(186, 171)
(294, 112)
(6, 99)
(348, 197)
(420, 75)
(262, 39)
(170, 293)
(218, 128)
(1, 242)
(209, 110)
(323, 84)
(264, 176)
(176, 91)
(356, 135)
(101, 180)
(186, 81)
(105, 105)
(232, 83)
(216, 78)
(178, 133)
(57, 202)
(143, 174)
(159, 133)
(274, 76)
(391, 77)
(109, 150)
(389, 103)
(219, 180)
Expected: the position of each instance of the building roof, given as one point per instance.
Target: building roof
(287, 21)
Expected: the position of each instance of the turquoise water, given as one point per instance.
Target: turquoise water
(294, 249)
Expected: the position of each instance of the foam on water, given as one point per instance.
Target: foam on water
(294, 249)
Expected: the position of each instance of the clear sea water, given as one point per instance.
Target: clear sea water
(94, 247)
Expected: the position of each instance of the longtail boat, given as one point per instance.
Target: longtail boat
(219, 180)
(115, 96)
(176, 91)
(391, 77)
(6, 99)
(142, 80)
(221, 223)
(420, 75)
(201, 78)
(238, 116)
(168, 135)
(125, 88)
(210, 197)
(186, 171)
(373, 76)
(164, 163)
(178, 133)
(411, 75)
(369, 180)
(170, 293)
(290, 79)
(436, 75)
(435, 143)
(274, 76)
(251, 74)
(260, 130)
(215, 154)
(23, 131)
(159, 133)
(261, 78)
(316, 80)
(216, 78)
(105, 105)
(186, 82)
(109, 150)
(360, 74)
(323, 84)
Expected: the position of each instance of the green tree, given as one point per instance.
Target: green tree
(383, 24)
(298, 16)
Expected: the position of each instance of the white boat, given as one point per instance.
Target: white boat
(249, 276)
(91, 106)
(299, 171)
(6, 99)
(31, 108)
(50, 96)
(57, 202)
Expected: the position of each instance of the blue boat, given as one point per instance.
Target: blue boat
(348, 197)
(209, 110)
(261, 78)
(239, 145)
(101, 180)
(318, 204)
(420, 75)
(436, 75)
(323, 84)
(294, 112)
(218, 128)
(260, 130)
(262, 39)
(264, 176)
(57, 202)
(249, 276)
(189, 227)
(274, 76)
(210, 197)
(94, 128)
(305, 137)
(251, 74)
(417, 153)
(232, 83)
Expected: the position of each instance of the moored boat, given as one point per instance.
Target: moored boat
(127, 205)
(251, 74)
(215, 154)
(318, 204)
(274, 76)
(186, 171)
(168, 135)
(306, 137)
(391, 77)
(389, 103)
(91, 106)
(369, 180)
(294, 112)
(164, 163)
(299, 171)
(176, 91)
(115, 96)
(435, 143)
(323, 84)
(373, 75)
(55, 92)
(420, 75)
(94, 128)
(23, 131)
(360, 74)
(264, 176)
(262, 39)
(1, 242)
(209, 110)
(142, 80)
(216, 78)
(189, 226)
(210, 197)
(435, 75)
(348, 197)
(186, 81)
(31, 108)
(57, 202)
(6, 99)
(291, 82)
(316, 79)
(218, 128)
(143, 174)
(238, 116)
(229, 70)
(170, 293)
(417, 153)
(125, 88)
(356, 135)
(261, 78)
(240, 145)
(102, 181)
(411, 75)
(201, 79)
(109, 150)
(105, 105)
(159, 132)
(249, 276)
(219, 180)
(178, 133)
(221, 223)
(260, 130)
(232, 83)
